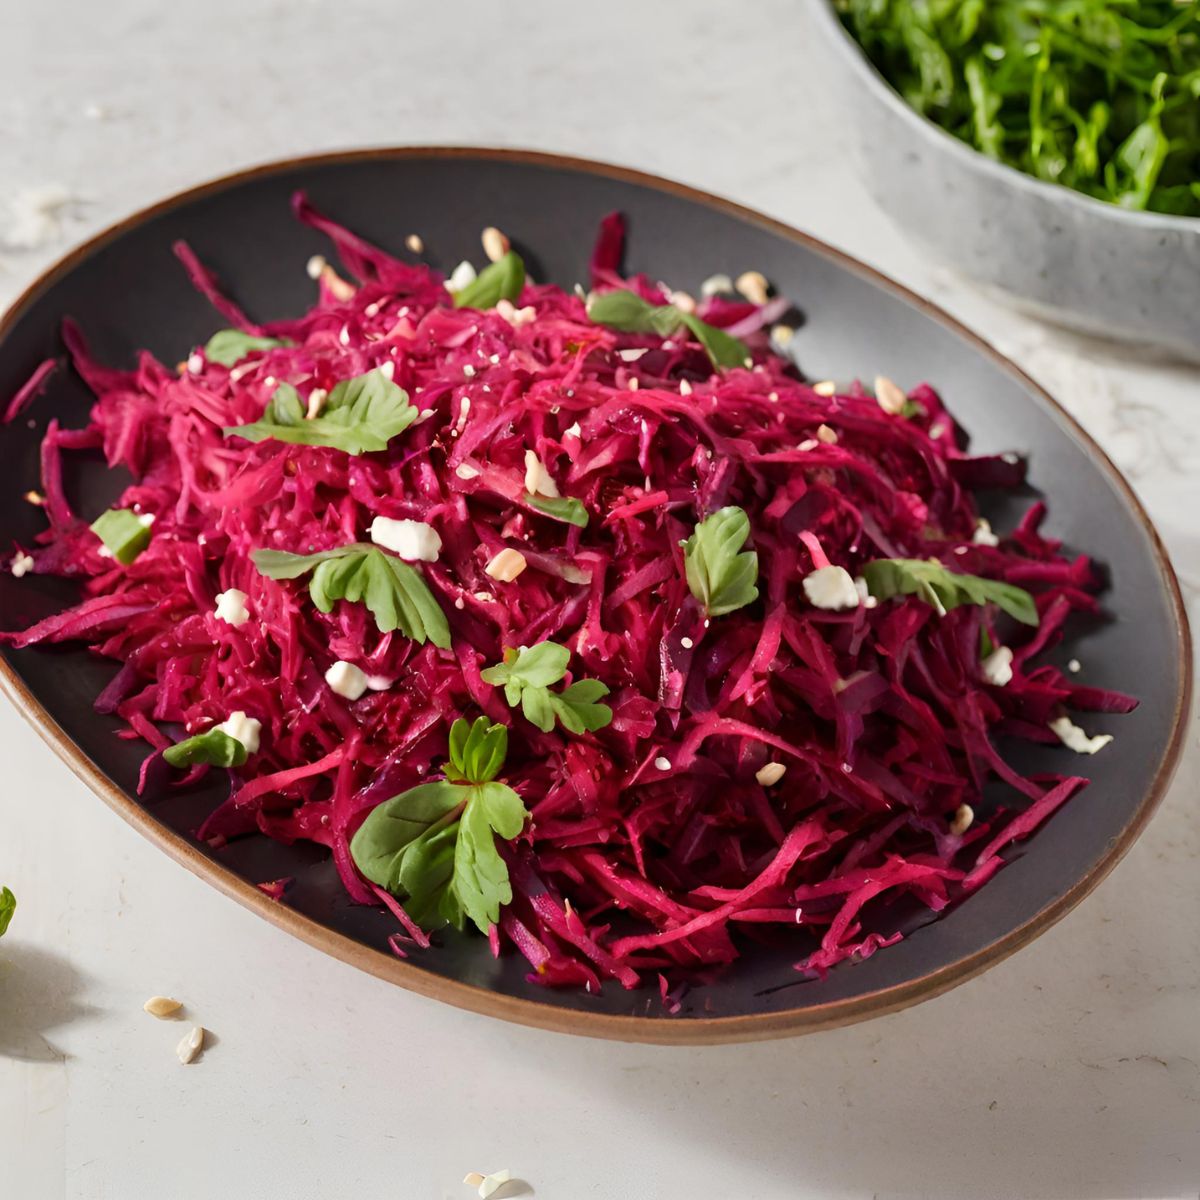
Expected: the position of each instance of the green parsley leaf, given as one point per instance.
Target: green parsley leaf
(945, 589)
(434, 845)
(228, 346)
(477, 750)
(213, 747)
(501, 280)
(720, 577)
(361, 414)
(561, 508)
(396, 593)
(526, 675)
(629, 313)
(8, 906)
(121, 530)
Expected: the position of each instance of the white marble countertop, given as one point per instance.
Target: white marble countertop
(1072, 1070)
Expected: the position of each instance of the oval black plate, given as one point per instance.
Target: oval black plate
(127, 291)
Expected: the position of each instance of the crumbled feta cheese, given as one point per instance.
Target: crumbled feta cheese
(632, 355)
(573, 431)
(771, 773)
(808, 444)
(782, 335)
(997, 667)
(683, 301)
(195, 363)
(426, 413)
(346, 680)
(831, 588)
(826, 388)
(414, 541)
(538, 481)
(466, 471)
(864, 593)
(316, 402)
(414, 243)
(388, 370)
(516, 317)
(21, 564)
(493, 359)
(1076, 739)
(468, 370)
(372, 309)
(242, 729)
(714, 285)
(506, 565)
(685, 388)
(314, 267)
(1074, 666)
(964, 815)
(752, 285)
(686, 643)
(145, 520)
(662, 764)
(231, 607)
(460, 277)
(983, 535)
(344, 336)
(826, 435)
(889, 396)
(633, 385)
(379, 683)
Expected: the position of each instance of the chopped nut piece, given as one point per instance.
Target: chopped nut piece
(714, 285)
(162, 1006)
(964, 815)
(506, 565)
(781, 335)
(190, 1045)
(890, 396)
(683, 301)
(753, 285)
(414, 243)
(825, 388)
(826, 435)
(495, 244)
(771, 773)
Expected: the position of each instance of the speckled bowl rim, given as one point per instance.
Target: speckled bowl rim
(619, 1027)
(1003, 173)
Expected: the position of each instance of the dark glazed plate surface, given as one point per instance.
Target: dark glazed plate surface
(127, 291)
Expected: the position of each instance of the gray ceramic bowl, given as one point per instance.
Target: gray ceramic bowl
(1079, 262)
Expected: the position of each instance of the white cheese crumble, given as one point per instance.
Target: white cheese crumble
(21, 564)
(466, 471)
(573, 431)
(685, 388)
(808, 444)
(195, 363)
(388, 370)
(1074, 666)
(1076, 739)
(826, 388)
(414, 541)
(831, 588)
(516, 317)
(242, 729)
(634, 354)
(538, 481)
(460, 277)
(715, 285)
(468, 371)
(344, 336)
(346, 680)
(771, 773)
(314, 267)
(997, 667)
(231, 607)
(316, 402)
(826, 435)
(662, 763)
(686, 643)
(379, 683)
(864, 592)
(983, 535)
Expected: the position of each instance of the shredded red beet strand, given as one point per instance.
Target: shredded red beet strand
(653, 852)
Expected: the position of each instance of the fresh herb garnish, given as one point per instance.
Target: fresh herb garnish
(8, 906)
(396, 594)
(629, 313)
(214, 747)
(228, 346)
(720, 574)
(1100, 95)
(526, 675)
(360, 415)
(561, 508)
(944, 589)
(123, 532)
(498, 281)
(434, 845)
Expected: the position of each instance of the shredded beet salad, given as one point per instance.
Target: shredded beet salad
(579, 619)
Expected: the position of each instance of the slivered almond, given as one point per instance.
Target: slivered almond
(826, 435)
(771, 773)
(891, 396)
(752, 285)
(190, 1045)
(414, 243)
(963, 817)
